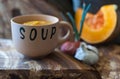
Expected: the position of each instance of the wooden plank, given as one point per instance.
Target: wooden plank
(55, 65)
(109, 64)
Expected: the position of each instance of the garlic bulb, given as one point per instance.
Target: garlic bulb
(87, 53)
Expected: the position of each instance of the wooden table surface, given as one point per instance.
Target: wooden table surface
(16, 64)
(56, 65)
(109, 63)
(13, 62)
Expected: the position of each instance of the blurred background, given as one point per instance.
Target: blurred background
(12, 8)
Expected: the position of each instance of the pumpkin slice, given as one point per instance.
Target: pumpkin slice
(99, 27)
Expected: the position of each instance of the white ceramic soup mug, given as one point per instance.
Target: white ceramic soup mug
(38, 41)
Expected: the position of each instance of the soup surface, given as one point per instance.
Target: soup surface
(37, 23)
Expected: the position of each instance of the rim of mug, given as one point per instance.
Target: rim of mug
(44, 15)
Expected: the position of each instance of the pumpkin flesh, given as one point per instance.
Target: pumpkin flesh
(98, 28)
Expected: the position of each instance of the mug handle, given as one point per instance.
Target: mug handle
(68, 35)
